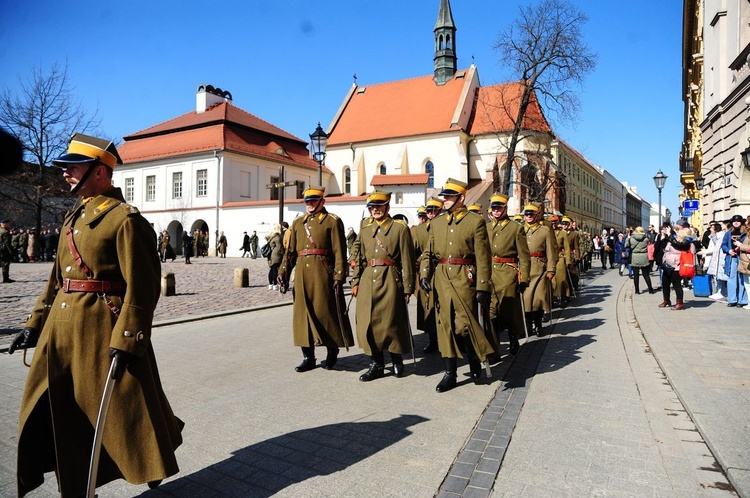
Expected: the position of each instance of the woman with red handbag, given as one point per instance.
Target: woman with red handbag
(676, 247)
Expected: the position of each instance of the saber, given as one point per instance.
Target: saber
(570, 282)
(411, 336)
(99, 432)
(523, 312)
(337, 293)
(351, 298)
(484, 318)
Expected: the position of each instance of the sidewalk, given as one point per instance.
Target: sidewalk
(583, 411)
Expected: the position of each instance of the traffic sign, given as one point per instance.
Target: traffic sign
(687, 213)
(691, 204)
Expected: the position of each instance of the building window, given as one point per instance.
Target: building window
(177, 185)
(347, 180)
(399, 197)
(129, 189)
(383, 169)
(151, 188)
(429, 168)
(275, 190)
(245, 184)
(300, 190)
(202, 180)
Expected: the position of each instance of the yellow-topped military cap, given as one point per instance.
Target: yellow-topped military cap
(84, 149)
(565, 220)
(421, 210)
(313, 193)
(454, 187)
(378, 198)
(475, 208)
(530, 209)
(517, 217)
(498, 199)
(434, 203)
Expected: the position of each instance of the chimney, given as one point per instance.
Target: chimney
(207, 96)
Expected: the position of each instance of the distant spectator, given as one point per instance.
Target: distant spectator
(222, 245)
(245, 245)
(638, 246)
(713, 260)
(254, 245)
(675, 246)
(277, 253)
(733, 239)
(187, 246)
(621, 258)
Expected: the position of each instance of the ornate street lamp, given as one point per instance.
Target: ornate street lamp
(746, 156)
(659, 180)
(319, 142)
(700, 182)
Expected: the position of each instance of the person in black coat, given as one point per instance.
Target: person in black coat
(187, 246)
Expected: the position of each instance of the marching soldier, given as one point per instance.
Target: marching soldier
(6, 251)
(574, 242)
(543, 252)
(475, 208)
(101, 299)
(317, 249)
(518, 218)
(383, 285)
(458, 256)
(426, 319)
(562, 284)
(510, 270)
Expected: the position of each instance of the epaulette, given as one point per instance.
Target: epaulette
(129, 208)
(402, 222)
(333, 216)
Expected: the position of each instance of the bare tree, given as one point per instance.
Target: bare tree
(544, 51)
(42, 113)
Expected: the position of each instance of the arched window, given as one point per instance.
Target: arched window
(448, 42)
(383, 169)
(440, 42)
(347, 180)
(429, 168)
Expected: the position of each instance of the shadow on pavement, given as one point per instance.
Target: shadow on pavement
(266, 468)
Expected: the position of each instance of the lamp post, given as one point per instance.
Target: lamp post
(319, 142)
(659, 180)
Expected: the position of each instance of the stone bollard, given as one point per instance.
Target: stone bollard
(167, 284)
(241, 277)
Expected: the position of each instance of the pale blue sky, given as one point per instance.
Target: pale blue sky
(291, 63)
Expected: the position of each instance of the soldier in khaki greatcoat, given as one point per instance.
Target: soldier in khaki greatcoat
(543, 252)
(6, 251)
(458, 256)
(317, 249)
(574, 241)
(102, 294)
(510, 270)
(426, 319)
(561, 289)
(383, 283)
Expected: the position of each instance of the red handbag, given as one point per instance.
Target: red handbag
(650, 250)
(687, 264)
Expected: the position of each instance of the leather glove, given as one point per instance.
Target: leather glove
(281, 280)
(424, 283)
(26, 338)
(550, 276)
(407, 297)
(355, 289)
(123, 358)
(522, 286)
(338, 285)
(483, 298)
(352, 264)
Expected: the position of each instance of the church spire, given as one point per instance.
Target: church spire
(445, 44)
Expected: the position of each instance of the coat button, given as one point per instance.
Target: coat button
(75, 232)
(63, 305)
(127, 333)
(68, 268)
(83, 215)
(140, 336)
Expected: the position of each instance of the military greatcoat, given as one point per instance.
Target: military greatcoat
(543, 252)
(71, 360)
(459, 235)
(508, 242)
(426, 301)
(562, 284)
(576, 254)
(385, 275)
(315, 321)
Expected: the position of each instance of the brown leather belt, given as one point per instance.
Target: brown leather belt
(313, 252)
(538, 254)
(105, 286)
(512, 261)
(456, 261)
(381, 262)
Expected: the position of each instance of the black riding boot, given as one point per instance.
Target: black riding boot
(538, 319)
(308, 360)
(376, 369)
(513, 339)
(398, 364)
(448, 381)
(331, 358)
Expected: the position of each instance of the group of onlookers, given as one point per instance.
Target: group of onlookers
(679, 252)
(27, 246)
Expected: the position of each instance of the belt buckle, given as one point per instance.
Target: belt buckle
(66, 285)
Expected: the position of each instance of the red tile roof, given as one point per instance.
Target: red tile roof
(402, 108)
(221, 127)
(413, 179)
(496, 108)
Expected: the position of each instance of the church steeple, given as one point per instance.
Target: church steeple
(445, 44)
